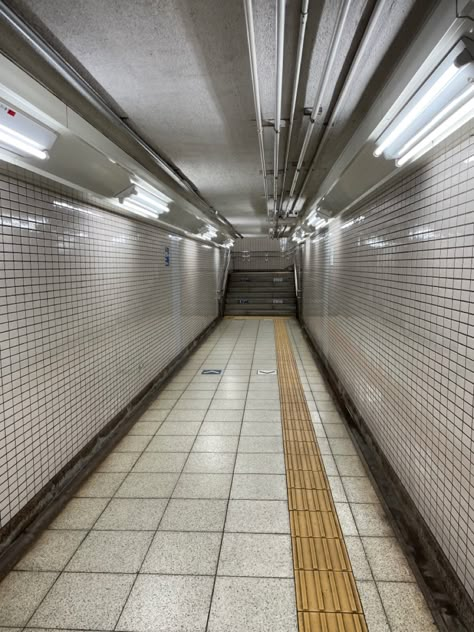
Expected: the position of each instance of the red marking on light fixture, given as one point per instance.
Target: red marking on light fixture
(11, 112)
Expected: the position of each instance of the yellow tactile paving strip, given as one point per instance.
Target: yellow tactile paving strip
(326, 595)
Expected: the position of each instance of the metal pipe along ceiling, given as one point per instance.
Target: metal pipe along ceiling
(256, 88)
(69, 74)
(353, 71)
(296, 80)
(339, 27)
(280, 45)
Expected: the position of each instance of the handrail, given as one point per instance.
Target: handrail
(221, 292)
(297, 289)
(226, 273)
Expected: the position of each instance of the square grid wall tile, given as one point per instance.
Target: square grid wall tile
(388, 297)
(78, 346)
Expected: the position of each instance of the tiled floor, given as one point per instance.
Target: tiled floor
(185, 526)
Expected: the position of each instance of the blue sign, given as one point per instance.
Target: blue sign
(211, 372)
(167, 257)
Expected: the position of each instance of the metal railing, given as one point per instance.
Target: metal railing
(222, 288)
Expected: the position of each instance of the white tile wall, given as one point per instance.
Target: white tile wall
(261, 253)
(89, 314)
(388, 294)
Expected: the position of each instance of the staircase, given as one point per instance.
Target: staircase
(260, 294)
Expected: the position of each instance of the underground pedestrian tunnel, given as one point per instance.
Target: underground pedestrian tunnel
(236, 315)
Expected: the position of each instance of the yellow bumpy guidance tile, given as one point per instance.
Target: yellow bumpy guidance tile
(326, 595)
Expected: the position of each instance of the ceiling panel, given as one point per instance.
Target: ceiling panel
(179, 71)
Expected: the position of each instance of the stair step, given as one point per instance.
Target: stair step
(259, 300)
(261, 293)
(256, 283)
(260, 312)
(260, 306)
(268, 291)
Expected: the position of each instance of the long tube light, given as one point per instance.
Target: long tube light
(437, 119)
(420, 107)
(144, 202)
(143, 198)
(208, 233)
(17, 141)
(139, 210)
(441, 106)
(447, 127)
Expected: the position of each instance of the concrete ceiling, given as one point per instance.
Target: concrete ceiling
(179, 71)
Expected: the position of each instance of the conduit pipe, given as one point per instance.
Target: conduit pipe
(280, 44)
(58, 64)
(351, 75)
(296, 80)
(338, 31)
(256, 88)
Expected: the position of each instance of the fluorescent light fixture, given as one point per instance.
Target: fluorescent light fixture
(208, 233)
(442, 105)
(143, 201)
(351, 222)
(139, 210)
(447, 127)
(438, 119)
(17, 142)
(313, 217)
(417, 109)
(22, 135)
(299, 235)
(322, 222)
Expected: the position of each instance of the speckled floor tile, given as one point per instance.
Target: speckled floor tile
(79, 513)
(148, 485)
(259, 487)
(132, 514)
(160, 462)
(203, 486)
(359, 489)
(167, 602)
(111, 552)
(51, 551)
(210, 463)
(194, 515)
(258, 516)
(387, 561)
(405, 607)
(248, 463)
(85, 601)
(183, 553)
(247, 604)
(256, 555)
(20, 594)
(101, 485)
(371, 520)
(118, 462)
